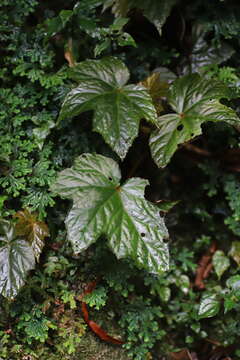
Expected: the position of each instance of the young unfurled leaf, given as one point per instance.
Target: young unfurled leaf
(101, 206)
(209, 306)
(16, 259)
(195, 100)
(118, 108)
(220, 262)
(34, 230)
(157, 89)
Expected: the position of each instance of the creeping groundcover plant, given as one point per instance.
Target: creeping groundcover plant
(119, 180)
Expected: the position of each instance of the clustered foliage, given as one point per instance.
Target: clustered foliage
(119, 166)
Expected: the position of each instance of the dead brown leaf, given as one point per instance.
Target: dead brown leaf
(34, 230)
(183, 355)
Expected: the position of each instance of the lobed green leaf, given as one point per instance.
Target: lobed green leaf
(16, 259)
(101, 206)
(194, 101)
(118, 108)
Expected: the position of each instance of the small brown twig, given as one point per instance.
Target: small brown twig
(204, 267)
(68, 54)
(197, 150)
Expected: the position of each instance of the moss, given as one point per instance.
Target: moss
(91, 348)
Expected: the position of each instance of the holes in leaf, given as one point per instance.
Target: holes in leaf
(180, 127)
(143, 234)
(110, 179)
(192, 134)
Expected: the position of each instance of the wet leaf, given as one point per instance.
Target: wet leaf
(16, 259)
(209, 306)
(118, 108)
(203, 54)
(234, 282)
(194, 100)
(99, 48)
(156, 11)
(220, 262)
(183, 283)
(126, 39)
(165, 205)
(166, 75)
(235, 251)
(40, 133)
(34, 230)
(101, 206)
(229, 302)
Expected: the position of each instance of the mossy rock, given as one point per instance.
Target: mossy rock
(92, 348)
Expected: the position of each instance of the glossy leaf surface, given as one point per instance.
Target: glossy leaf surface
(209, 306)
(183, 283)
(101, 206)
(220, 262)
(16, 259)
(118, 108)
(203, 53)
(235, 251)
(234, 282)
(194, 101)
(32, 229)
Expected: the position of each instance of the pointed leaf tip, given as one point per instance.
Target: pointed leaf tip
(16, 259)
(32, 229)
(118, 108)
(194, 101)
(131, 224)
